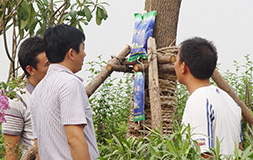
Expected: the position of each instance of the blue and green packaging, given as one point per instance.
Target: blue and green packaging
(143, 29)
(138, 96)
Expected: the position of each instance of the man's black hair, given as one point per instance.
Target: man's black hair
(59, 39)
(200, 56)
(28, 52)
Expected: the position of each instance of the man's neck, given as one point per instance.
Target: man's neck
(67, 65)
(195, 84)
(32, 81)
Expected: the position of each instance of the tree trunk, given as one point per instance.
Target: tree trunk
(165, 31)
(165, 28)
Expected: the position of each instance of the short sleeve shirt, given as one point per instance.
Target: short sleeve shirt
(213, 113)
(60, 99)
(18, 120)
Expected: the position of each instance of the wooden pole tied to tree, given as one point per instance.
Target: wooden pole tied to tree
(224, 85)
(154, 90)
(104, 73)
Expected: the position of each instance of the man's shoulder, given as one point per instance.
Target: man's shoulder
(21, 99)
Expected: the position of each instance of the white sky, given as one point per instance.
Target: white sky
(228, 23)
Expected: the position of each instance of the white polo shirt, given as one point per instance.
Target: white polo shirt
(60, 99)
(212, 113)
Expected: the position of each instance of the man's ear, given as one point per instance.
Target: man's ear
(31, 70)
(70, 54)
(184, 68)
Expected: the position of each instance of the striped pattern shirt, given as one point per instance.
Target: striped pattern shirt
(212, 114)
(60, 99)
(18, 120)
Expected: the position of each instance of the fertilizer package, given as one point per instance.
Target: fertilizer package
(143, 29)
(138, 96)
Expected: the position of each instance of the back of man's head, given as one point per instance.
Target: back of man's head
(28, 52)
(200, 56)
(59, 39)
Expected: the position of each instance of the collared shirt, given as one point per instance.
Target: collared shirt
(18, 120)
(60, 99)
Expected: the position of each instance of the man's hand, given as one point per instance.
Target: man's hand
(11, 146)
(77, 142)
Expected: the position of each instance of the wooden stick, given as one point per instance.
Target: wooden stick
(119, 68)
(224, 85)
(162, 68)
(154, 91)
(166, 59)
(104, 73)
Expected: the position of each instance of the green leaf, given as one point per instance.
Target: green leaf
(98, 20)
(80, 27)
(63, 18)
(87, 13)
(31, 13)
(100, 13)
(105, 15)
(3, 85)
(32, 27)
(72, 14)
(21, 33)
(23, 24)
(104, 3)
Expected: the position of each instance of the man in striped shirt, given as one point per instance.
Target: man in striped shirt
(210, 111)
(17, 129)
(61, 114)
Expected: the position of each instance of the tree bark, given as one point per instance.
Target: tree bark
(166, 58)
(162, 68)
(119, 68)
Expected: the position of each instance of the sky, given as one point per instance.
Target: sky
(228, 23)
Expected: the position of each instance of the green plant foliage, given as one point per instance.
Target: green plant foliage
(157, 146)
(38, 14)
(154, 146)
(32, 17)
(10, 88)
(2, 149)
(182, 96)
(110, 104)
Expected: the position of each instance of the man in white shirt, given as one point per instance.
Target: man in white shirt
(210, 111)
(17, 129)
(61, 114)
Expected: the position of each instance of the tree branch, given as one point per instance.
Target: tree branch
(5, 42)
(52, 15)
(62, 12)
(13, 46)
(14, 9)
(94, 6)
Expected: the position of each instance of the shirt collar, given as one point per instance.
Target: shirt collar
(58, 67)
(29, 87)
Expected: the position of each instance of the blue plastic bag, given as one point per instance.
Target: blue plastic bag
(143, 29)
(138, 96)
